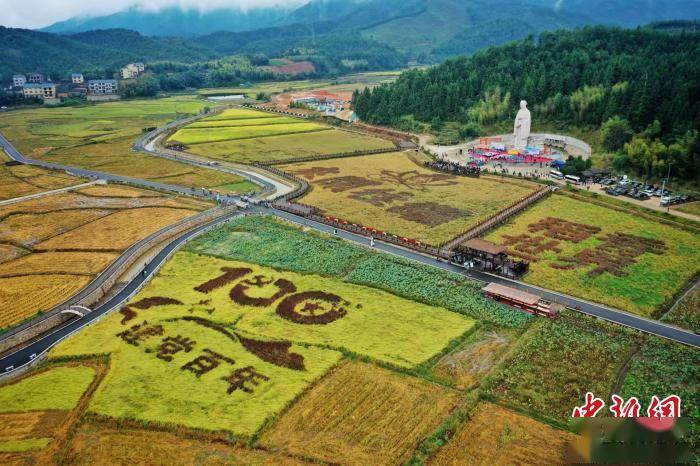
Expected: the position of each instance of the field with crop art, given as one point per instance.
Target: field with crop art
(248, 136)
(604, 255)
(100, 137)
(51, 247)
(497, 436)
(396, 194)
(207, 330)
(361, 414)
(272, 243)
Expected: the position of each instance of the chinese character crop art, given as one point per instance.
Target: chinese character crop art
(355, 233)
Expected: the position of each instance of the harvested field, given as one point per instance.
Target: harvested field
(90, 228)
(470, 362)
(116, 231)
(612, 257)
(95, 444)
(395, 193)
(362, 414)
(100, 137)
(206, 330)
(497, 436)
(30, 424)
(277, 148)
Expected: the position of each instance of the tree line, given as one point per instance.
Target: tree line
(640, 87)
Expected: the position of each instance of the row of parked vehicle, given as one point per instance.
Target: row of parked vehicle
(642, 191)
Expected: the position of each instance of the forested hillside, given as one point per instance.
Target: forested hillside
(641, 82)
(100, 53)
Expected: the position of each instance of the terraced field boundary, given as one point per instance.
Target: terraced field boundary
(104, 282)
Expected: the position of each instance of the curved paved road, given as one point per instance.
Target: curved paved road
(613, 315)
(16, 360)
(22, 357)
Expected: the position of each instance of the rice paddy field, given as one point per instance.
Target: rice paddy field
(24, 180)
(52, 247)
(497, 436)
(394, 193)
(556, 362)
(265, 343)
(211, 335)
(249, 136)
(609, 256)
(100, 137)
(361, 414)
(36, 409)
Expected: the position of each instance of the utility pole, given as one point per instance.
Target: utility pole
(663, 185)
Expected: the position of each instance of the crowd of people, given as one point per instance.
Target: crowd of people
(454, 167)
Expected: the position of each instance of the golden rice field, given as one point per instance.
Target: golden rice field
(497, 436)
(361, 414)
(615, 258)
(396, 194)
(51, 247)
(116, 231)
(22, 297)
(97, 443)
(23, 180)
(254, 339)
(100, 137)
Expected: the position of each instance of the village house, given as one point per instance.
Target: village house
(35, 78)
(43, 91)
(102, 90)
(132, 70)
(77, 78)
(102, 86)
(19, 80)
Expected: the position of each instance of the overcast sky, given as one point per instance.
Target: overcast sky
(40, 13)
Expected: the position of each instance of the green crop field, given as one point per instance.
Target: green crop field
(100, 137)
(200, 135)
(248, 136)
(268, 242)
(239, 122)
(605, 255)
(396, 194)
(280, 148)
(557, 362)
(58, 388)
(240, 319)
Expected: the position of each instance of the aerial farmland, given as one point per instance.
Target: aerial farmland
(350, 233)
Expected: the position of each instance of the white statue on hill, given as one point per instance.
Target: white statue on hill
(522, 126)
